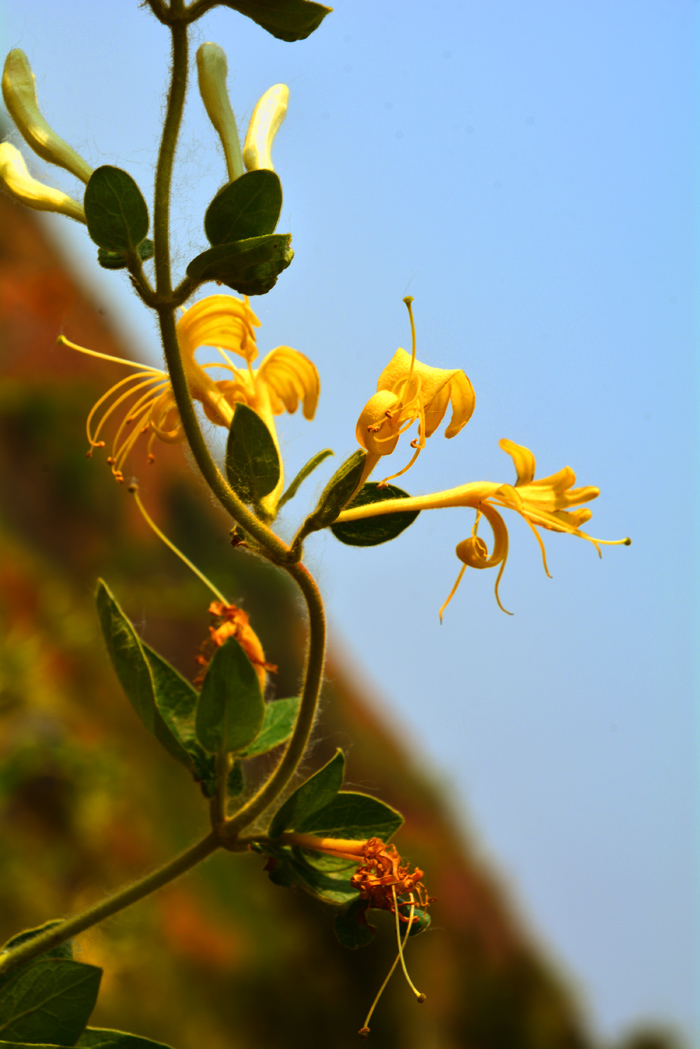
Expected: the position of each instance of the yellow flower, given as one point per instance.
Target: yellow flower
(15, 177)
(547, 503)
(284, 378)
(407, 391)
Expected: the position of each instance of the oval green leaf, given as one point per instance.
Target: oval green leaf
(351, 815)
(231, 709)
(316, 793)
(248, 207)
(288, 20)
(49, 1001)
(115, 211)
(336, 493)
(375, 530)
(252, 459)
(280, 718)
(249, 266)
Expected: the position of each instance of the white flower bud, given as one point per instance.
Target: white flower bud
(264, 124)
(19, 93)
(20, 185)
(212, 69)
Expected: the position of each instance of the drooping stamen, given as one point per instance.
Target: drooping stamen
(93, 439)
(143, 406)
(134, 490)
(420, 997)
(419, 994)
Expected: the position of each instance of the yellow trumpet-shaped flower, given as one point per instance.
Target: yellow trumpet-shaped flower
(552, 503)
(409, 391)
(146, 397)
(16, 179)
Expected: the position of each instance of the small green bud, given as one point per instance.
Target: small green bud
(19, 92)
(212, 70)
(264, 125)
(25, 189)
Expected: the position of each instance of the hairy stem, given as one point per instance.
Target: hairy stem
(109, 906)
(315, 660)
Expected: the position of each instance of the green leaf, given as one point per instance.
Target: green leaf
(280, 718)
(48, 1001)
(336, 493)
(249, 266)
(352, 927)
(231, 708)
(248, 207)
(161, 697)
(351, 815)
(116, 213)
(176, 700)
(315, 793)
(288, 868)
(288, 20)
(99, 1038)
(315, 461)
(252, 459)
(116, 260)
(374, 530)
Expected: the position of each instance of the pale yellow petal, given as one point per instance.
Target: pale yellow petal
(219, 320)
(293, 378)
(463, 401)
(523, 460)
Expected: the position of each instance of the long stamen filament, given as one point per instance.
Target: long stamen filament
(63, 341)
(105, 396)
(133, 488)
(419, 994)
(364, 1030)
(408, 300)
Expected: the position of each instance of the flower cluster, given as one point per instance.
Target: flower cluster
(284, 378)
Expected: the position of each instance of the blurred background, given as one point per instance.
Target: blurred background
(525, 171)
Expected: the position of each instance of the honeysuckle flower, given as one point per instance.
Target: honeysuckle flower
(384, 882)
(551, 502)
(19, 93)
(409, 391)
(16, 179)
(285, 377)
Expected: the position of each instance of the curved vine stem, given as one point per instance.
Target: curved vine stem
(110, 905)
(315, 661)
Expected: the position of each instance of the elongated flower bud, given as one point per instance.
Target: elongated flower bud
(20, 185)
(212, 69)
(264, 125)
(19, 93)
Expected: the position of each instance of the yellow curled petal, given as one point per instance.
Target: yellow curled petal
(19, 93)
(212, 70)
(25, 189)
(523, 460)
(219, 320)
(293, 378)
(377, 429)
(264, 125)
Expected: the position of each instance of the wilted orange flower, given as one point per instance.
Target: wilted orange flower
(231, 621)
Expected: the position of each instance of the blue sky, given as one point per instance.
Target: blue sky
(526, 172)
